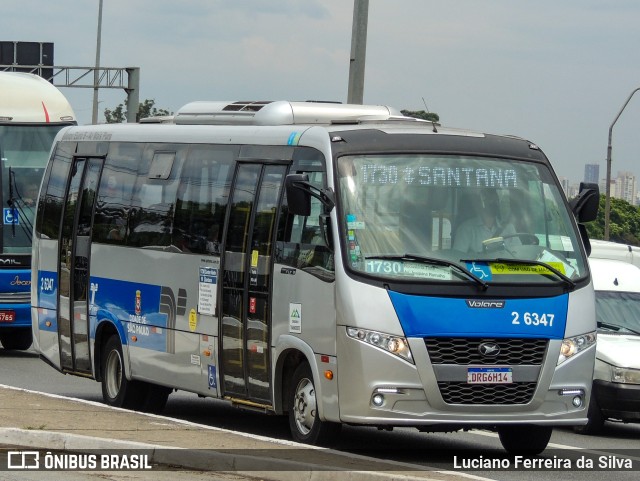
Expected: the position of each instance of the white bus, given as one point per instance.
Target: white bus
(32, 111)
(301, 258)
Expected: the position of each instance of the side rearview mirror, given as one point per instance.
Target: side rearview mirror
(298, 198)
(299, 192)
(585, 205)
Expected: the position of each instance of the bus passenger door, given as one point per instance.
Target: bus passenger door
(246, 281)
(75, 249)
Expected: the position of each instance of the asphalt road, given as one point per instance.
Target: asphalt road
(26, 370)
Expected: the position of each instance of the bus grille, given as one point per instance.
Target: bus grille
(15, 297)
(451, 350)
(466, 351)
(463, 393)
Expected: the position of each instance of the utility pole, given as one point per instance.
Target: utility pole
(96, 72)
(607, 200)
(358, 51)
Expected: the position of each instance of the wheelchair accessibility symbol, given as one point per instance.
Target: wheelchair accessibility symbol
(212, 376)
(11, 216)
(481, 270)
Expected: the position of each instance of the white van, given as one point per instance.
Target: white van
(616, 378)
(601, 249)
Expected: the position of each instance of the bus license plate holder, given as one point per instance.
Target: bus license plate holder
(489, 375)
(7, 316)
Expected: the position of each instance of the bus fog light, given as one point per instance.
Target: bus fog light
(377, 399)
(577, 401)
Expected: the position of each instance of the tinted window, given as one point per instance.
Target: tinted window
(202, 198)
(153, 200)
(52, 202)
(114, 194)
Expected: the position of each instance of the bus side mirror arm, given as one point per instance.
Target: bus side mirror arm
(325, 229)
(299, 192)
(585, 238)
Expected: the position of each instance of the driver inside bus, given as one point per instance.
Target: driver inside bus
(472, 233)
(31, 195)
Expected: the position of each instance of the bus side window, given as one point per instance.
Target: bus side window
(300, 240)
(114, 193)
(150, 222)
(202, 198)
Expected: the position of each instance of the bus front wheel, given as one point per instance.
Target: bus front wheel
(526, 439)
(595, 417)
(304, 422)
(116, 389)
(16, 339)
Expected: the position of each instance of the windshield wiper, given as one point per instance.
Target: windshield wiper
(617, 327)
(434, 261)
(559, 274)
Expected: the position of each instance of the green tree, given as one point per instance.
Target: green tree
(145, 109)
(115, 116)
(421, 114)
(624, 222)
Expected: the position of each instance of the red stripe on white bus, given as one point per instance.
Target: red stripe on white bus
(46, 113)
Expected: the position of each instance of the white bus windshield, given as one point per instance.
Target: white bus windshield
(412, 216)
(24, 150)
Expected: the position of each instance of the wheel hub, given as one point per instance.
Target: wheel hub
(305, 406)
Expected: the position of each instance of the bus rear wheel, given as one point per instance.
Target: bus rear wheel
(304, 422)
(116, 389)
(16, 339)
(155, 398)
(528, 439)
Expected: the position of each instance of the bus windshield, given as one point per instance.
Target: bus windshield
(422, 217)
(24, 150)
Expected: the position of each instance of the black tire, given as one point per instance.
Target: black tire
(527, 439)
(16, 339)
(116, 389)
(304, 423)
(595, 424)
(155, 398)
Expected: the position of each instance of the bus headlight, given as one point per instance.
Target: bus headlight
(573, 345)
(625, 375)
(393, 344)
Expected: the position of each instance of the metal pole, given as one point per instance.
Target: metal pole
(607, 204)
(96, 73)
(133, 94)
(355, 93)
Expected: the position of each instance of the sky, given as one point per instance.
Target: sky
(554, 72)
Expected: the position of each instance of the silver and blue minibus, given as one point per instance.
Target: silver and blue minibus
(32, 111)
(300, 259)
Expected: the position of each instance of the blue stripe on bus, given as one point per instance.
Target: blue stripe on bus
(47, 301)
(133, 307)
(15, 280)
(47, 289)
(424, 316)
